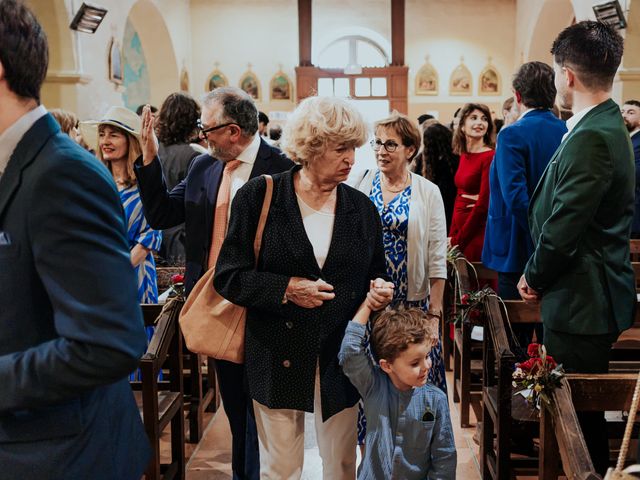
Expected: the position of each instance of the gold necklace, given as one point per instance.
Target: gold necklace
(404, 185)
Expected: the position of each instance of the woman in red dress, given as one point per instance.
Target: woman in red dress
(473, 141)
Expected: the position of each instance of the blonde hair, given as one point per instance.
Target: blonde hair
(318, 121)
(133, 152)
(67, 120)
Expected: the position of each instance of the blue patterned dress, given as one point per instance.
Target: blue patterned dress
(395, 221)
(139, 231)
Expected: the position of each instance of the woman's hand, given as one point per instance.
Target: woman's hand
(148, 140)
(308, 293)
(380, 294)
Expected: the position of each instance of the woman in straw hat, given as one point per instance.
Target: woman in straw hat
(116, 139)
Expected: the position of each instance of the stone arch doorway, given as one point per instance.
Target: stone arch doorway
(554, 16)
(149, 26)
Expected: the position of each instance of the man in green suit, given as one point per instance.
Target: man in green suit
(580, 217)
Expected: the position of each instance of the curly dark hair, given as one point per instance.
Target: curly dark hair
(534, 82)
(177, 119)
(459, 138)
(592, 49)
(437, 155)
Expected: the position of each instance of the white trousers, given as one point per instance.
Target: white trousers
(281, 440)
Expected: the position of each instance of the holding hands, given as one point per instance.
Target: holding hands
(380, 294)
(313, 293)
(148, 139)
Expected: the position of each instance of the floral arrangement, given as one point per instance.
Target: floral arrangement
(470, 309)
(177, 285)
(538, 376)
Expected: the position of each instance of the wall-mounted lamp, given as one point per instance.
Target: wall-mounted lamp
(610, 13)
(88, 18)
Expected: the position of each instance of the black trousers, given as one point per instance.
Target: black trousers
(586, 354)
(245, 458)
(508, 290)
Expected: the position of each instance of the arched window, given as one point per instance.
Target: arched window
(352, 51)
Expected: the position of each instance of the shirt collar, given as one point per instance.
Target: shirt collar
(525, 112)
(11, 136)
(573, 121)
(635, 132)
(250, 153)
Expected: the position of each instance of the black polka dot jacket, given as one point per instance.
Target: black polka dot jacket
(284, 342)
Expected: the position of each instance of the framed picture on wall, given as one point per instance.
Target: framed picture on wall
(116, 74)
(216, 79)
(460, 82)
(250, 84)
(280, 87)
(427, 80)
(489, 81)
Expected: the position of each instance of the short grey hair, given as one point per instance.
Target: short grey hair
(237, 107)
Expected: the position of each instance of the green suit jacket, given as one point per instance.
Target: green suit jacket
(580, 217)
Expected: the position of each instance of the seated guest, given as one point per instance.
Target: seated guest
(71, 329)
(175, 126)
(631, 116)
(321, 248)
(522, 154)
(409, 433)
(118, 142)
(473, 141)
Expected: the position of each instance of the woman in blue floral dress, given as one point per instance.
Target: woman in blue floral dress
(413, 225)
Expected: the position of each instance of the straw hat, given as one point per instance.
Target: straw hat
(120, 117)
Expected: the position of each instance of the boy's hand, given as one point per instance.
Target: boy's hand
(380, 294)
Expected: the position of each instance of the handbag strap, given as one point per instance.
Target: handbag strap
(264, 213)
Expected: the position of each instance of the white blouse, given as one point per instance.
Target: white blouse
(319, 228)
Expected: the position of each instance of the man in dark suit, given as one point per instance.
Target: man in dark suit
(631, 116)
(580, 218)
(229, 123)
(523, 151)
(70, 325)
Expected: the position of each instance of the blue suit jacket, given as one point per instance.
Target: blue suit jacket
(522, 153)
(70, 325)
(193, 200)
(635, 141)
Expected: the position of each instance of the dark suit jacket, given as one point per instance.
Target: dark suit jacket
(580, 218)
(635, 141)
(70, 324)
(285, 342)
(193, 200)
(522, 153)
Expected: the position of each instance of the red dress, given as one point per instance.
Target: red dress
(468, 224)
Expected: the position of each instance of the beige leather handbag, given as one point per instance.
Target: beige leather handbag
(211, 324)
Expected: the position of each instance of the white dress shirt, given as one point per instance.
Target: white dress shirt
(573, 121)
(240, 175)
(11, 136)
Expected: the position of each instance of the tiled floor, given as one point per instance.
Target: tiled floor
(211, 459)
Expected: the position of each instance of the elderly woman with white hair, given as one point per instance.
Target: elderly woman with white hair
(322, 256)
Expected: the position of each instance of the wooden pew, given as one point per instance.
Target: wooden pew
(560, 433)
(466, 392)
(634, 247)
(160, 407)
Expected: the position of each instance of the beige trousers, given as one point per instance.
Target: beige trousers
(281, 440)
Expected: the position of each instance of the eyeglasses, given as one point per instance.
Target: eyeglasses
(203, 131)
(390, 146)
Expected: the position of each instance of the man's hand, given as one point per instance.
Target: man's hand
(380, 294)
(528, 294)
(148, 140)
(307, 293)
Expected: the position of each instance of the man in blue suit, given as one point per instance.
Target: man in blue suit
(522, 153)
(70, 325)
(631, 116)
(229, 124)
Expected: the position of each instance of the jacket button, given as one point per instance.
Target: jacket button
(286, 364)
(289, 324)
(353, 295)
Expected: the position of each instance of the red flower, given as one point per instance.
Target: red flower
(177, 278)
(530, 366)
(474, 314)
(464, 300)
(551, 362)
(532, 350)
